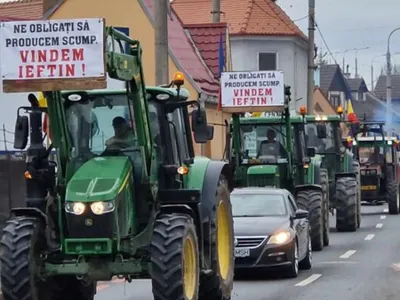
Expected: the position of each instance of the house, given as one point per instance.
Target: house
(322, 106)
(262, 37)
(334, 85)
(193, 50)
(358, 88)
(380, 90)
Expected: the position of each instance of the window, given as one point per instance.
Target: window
(180, 138)
(267, 61)
(258, 205)
(335, 100)
(293, 205)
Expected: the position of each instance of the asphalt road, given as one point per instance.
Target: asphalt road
(363, 265)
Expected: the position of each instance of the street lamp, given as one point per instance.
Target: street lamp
(389, 83)
(344, 54)
(372, 67)
(356, 62)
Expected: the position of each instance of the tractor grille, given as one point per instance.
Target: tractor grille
(250, 242)
(261, 180)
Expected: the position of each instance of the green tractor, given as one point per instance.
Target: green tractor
(292, 167)
(340, 170)
(136, 205)
(379, 159)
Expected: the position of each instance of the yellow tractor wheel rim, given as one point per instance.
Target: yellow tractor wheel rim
(224, 240)
(189, 268)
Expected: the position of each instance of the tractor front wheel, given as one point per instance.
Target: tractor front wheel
(175, 268)
(325, 190)
(346, 204)
(218, 284)
(393, 197)
(312, 201)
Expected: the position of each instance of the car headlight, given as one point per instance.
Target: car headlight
(76, 208)
(99, 208)
(280, 238)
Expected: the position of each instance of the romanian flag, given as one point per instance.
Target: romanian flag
(351, 115)
(221, 66)
(46, 121)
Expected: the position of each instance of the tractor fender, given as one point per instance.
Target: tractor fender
(30, 212)
(303, 187)
(346, 174)
(316, 168)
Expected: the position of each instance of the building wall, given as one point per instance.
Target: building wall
(291, 58)
(140, 28)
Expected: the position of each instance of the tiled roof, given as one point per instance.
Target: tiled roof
(206, 38)
(354, 83)
(380, 87)
(13, 1)
(327, 73)
(185, 53)
(22, 9)
(244, 17)
(5, 19)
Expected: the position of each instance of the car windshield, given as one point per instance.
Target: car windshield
(263, 141)
(258, 205)
(374, 154)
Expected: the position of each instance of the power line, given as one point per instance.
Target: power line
(324, 41)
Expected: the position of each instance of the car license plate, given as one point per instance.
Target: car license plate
(368, 187)
(242, 252)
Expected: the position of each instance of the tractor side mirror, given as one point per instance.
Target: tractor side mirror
(21, 132)
(355, 128)
(321, 131)
(311, 152)
(200, 126)
(210, 132)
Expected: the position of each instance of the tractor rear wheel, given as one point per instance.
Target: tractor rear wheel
(21, 244)
(218, 284)
(325, 190)
(312, 201)
(346, 204)
(356, 168)
(175, 268)
(393, 197)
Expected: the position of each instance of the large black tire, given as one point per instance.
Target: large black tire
(171, 232)
(312, 201)
(393, 197)
(306, 262)
(293, 270)
(356, 167)
(21, 245)
(346, 204)
(325, 189)
(215, 285)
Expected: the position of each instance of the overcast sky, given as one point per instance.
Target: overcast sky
(347, 24)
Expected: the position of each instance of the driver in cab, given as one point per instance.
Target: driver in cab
(271, 147)
(123, 135)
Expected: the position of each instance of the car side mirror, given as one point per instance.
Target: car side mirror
(321, 131)
(200, 126)
(210, 132)
(21, 132)
(311, 152)
(301, 214)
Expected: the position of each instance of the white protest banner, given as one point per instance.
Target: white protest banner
(252, 91)
(52, 49)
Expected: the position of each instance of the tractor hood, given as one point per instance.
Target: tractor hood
(99, 179)
(262, 170)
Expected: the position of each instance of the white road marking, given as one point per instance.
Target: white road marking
(383, 217)
(347, 254)
(369, 237)
(379, 225)
(349, 262)
(386, 210)
(308, 280)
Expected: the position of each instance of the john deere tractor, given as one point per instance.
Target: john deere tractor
(340, 170)
(292, 167)
(135, 205)
(379, 160)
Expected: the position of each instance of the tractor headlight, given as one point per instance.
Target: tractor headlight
(76, 208)
(280, 238)
(103, 207)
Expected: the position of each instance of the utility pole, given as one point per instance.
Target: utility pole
(161, 41)
(216, 11)
(311, 56)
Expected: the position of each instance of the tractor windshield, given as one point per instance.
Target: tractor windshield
(374, 154)
(323, 146)
(264, 141)
(99, 123)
